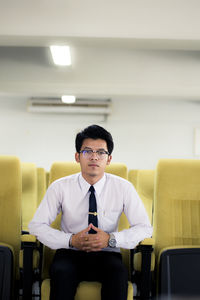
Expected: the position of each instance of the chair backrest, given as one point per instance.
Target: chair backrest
(118, 169)
(10, 204)
(145, 189)
(41, 184)
(132, 177)
(177, 203)
(143, 181)
(61, 169)
(121, 170)
(29, 193)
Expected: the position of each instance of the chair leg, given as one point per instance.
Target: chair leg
(27, 274)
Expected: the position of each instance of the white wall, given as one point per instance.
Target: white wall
(144, 130)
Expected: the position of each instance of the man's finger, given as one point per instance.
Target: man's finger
(86, 229)
(95, 228)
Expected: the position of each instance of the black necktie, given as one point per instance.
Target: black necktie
(92, 218)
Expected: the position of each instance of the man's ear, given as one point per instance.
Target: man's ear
(109, 159)
(77, 157)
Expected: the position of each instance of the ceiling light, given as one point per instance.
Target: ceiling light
(61, 55)
(68, 99)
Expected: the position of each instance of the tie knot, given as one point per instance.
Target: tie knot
(91, 189)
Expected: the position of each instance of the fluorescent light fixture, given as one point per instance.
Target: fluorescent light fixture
(68, 99)
(61, 55)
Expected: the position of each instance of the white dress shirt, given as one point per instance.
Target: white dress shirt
(70, 195)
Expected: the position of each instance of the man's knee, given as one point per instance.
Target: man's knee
(63, 267)
(116, 269)
(65, 270)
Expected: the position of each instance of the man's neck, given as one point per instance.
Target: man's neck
(92, 179)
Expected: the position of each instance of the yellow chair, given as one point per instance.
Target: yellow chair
(132, 177)
(118, 169)
(29, 193)
(10, 221)
(143, 180)
(176, 226)
(86, 290)
(176, 237)
(41, 184)
(61, 169)
(10, 206)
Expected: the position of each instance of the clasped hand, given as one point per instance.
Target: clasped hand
(90, 242)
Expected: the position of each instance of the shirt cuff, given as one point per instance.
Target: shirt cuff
(70, 241)
(119, 239)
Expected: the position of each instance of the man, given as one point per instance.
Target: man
(91, 203)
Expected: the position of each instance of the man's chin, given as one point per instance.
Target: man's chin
(93, 174)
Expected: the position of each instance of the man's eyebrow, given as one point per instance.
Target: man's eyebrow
(87, 148)
(100, 149)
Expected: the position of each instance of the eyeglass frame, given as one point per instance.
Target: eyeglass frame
(92, 152)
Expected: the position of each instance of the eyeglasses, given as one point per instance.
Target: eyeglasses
(101, 154)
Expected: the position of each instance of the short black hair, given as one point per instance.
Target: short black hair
(94, 132)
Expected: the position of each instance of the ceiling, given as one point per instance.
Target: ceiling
(119, 48)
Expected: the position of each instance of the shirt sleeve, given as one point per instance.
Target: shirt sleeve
(46, 213)
(140, 226)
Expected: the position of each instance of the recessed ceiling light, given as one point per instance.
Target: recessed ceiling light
(61, 55)
(68, 99)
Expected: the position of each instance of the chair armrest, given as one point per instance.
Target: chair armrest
(147, 242)
(28, 238)
(144, 257)
(144, 263)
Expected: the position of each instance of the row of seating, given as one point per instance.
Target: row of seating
(171, 195)
(22, 187)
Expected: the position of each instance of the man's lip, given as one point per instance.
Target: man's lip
(93, 165)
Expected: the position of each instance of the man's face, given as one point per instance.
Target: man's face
(93, 165)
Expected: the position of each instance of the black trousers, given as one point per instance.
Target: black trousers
(69, 267)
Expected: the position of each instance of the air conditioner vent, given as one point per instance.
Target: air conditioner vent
(81, 106)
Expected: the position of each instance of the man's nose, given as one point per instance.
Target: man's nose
(94, 155)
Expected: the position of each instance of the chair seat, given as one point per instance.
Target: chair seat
(179, 272)
(85, 291)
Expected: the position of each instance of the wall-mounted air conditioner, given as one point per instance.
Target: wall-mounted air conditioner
(81, 106)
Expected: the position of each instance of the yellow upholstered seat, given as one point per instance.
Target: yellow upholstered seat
(132, 177)
(177, 203)
(29, 193)
(62, 169)
(118, 169)
(10, 205)
(10, 219)
(177, 209)
(143, 180)
(86, 290)
(176, 227)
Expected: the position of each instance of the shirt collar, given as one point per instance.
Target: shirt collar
(98, 186)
